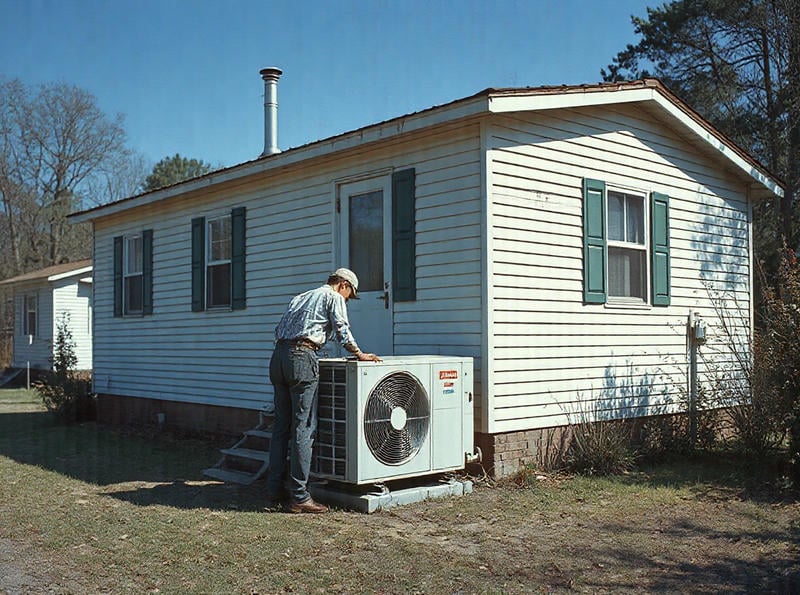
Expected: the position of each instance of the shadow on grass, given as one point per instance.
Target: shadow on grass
(103, 456)
(671, 571)
(197, 494)
(169, 466)
(720, 476)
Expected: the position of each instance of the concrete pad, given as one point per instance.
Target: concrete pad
(372, 498)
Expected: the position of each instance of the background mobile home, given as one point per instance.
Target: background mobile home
(561, 236)
(40, 298)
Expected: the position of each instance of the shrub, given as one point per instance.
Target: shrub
(596, 445)
(64, 392)
(674, 434)
(761, 387)
(600, 448)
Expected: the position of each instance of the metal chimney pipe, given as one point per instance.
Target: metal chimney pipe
(270, 76)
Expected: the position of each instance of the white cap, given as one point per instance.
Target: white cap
(350, 277)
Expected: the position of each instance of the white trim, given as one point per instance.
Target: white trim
(487, 288)
(81, 271)
(537, 101)
(724, 149)
(644, 247)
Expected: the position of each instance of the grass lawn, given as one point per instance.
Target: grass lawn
(90, 509)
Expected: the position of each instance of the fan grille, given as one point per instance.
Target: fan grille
(396, 418)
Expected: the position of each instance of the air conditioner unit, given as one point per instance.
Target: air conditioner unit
(403, 417)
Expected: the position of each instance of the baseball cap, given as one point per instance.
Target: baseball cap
(350, 277)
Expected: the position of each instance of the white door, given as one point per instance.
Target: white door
(365, 247)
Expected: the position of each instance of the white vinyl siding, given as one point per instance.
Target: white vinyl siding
(66, 294)
(499, 267)
(221, 358)
(554, 356)
(75, 298)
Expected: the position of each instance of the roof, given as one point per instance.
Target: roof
(489, 100)
(53, 273)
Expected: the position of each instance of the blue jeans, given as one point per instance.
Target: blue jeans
(294, 373)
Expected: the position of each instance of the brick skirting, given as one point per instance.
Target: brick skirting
(504, 454)
(186, 417)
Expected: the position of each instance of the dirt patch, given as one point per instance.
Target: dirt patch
(22, 570)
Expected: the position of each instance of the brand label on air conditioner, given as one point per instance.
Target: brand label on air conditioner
(448, 374)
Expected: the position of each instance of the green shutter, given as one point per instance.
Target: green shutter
(594, 241)
(404, 245)
(118, 276)
(147, 271)
(659, 227)
(198, 264)
(238, 232)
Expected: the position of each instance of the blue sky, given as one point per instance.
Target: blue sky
(184, 73)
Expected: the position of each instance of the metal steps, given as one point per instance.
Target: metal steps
(246, 461)
(247, 453)
(229, 476)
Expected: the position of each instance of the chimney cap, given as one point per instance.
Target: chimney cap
(271, 72)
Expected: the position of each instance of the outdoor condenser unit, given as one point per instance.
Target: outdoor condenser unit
(402, 417)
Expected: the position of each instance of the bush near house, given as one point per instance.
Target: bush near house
(65, 393)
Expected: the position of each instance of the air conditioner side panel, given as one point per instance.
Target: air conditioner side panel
(451, 393)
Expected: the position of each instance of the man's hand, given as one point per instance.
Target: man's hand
(367, 357)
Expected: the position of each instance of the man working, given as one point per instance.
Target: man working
(309, 321)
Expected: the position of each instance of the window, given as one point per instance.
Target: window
(29, 321)
(627, 250)
(218, 263)
(132, 275)
(366, 239)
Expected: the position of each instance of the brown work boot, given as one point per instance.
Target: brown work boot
(307, 506)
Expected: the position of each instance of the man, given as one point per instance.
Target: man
(309, 321)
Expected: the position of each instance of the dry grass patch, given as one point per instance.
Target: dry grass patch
(85, 508)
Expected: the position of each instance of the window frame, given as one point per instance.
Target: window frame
(643, 249)
(29, 299)
(210, 263)
(127, 274)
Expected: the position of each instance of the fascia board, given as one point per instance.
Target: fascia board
(60, 276)
(725, 149)
(544, 101)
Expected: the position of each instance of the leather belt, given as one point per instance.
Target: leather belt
(302, 342)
